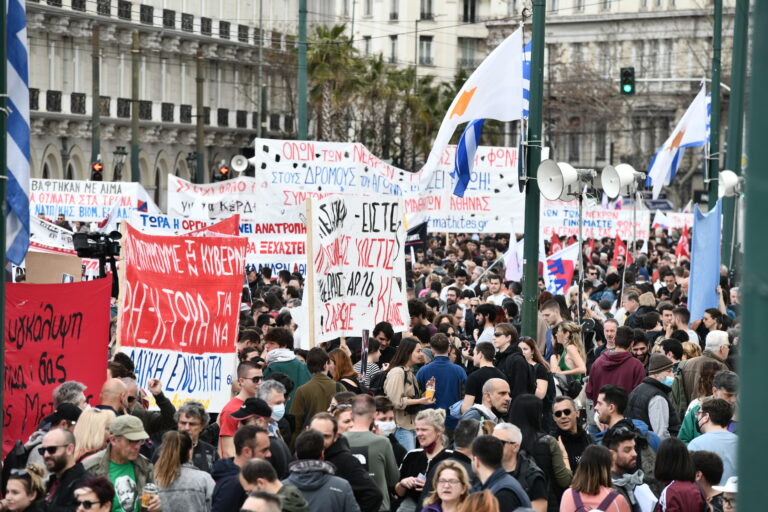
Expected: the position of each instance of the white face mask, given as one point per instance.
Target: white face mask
(386, 427)
(278, 411)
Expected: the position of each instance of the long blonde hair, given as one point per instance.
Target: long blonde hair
(174, 451)
(90, 430)
(575, 331)
(463, 476)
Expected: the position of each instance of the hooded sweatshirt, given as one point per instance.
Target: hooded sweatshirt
(293, 501)
(619, 368)
(322, 490)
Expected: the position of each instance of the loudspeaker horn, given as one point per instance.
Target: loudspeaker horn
(617, 181)
(557, 180)
(728, 184)
(239, 163)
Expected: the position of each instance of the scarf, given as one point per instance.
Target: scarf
(280, 355)
(628, 482)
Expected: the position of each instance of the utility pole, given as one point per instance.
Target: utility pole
(260, 68)
(753, 351)
(200, 152)
(135, 55)
(713, 159)
(95, 96)
(532, 197)
(302, 81)
(735, 122)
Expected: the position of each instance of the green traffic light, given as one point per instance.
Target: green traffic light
(627, 88)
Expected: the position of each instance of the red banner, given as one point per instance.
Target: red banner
(53, 333)
(182, 292)
(179, 314)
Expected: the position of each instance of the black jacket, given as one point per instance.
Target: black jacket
(575, 444)
(640, 399)
(348, 467)
(63, 499)
(520, 375)
(228, 495)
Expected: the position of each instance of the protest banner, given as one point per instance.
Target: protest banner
(357, 272)
(47, 234)
(179, 310)
(273, 241)
(88, 201)
(562, 219)
(53, 333)
(492, 202)
(672, 220)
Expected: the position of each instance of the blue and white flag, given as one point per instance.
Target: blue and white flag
(526, 77)
(465, 155)
(17, 214)
(705, 261)
(691, 131)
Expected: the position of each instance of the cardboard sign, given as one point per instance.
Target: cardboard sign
(48, 268)
(179, 312)
(492, 202)
(87, 200)
(358, 265)
(53, 333)
(563, 219)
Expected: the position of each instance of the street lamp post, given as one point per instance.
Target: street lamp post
(120, 155)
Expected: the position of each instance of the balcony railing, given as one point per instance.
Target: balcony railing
(166, 112)
(224, 29)
(124, 9)
(77, 103)
(104, 7)
(241, 119)
(123, 107)
(34, 99)
(147, 14)
(53, 101)
(222, 117)
(169, 18)
(185, 113)
(206, 26)
(187, 22)
(104, 104)
(242, 33)
(145, 110)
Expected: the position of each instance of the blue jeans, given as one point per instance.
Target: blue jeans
(407, 438)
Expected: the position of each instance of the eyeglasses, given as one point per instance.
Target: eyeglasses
(564, 412)
(256, 379)
(49, 449)
(87, 504)
(448, 481)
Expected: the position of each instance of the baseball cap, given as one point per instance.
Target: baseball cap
(130, 427)
(252, 407)
(65, 411)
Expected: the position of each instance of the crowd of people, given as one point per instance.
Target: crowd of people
(620, 402)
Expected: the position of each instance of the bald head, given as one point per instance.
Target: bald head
(62, 442)
(113, 394)
(496, 395)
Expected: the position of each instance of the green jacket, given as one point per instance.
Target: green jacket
(688, 430)
(296, 370)
(98, 465)
(293, 500)
(312, 398)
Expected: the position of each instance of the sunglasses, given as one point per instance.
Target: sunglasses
(564, 412)
(50, 450)
(500, 334)
(87, 504)
(256, 379)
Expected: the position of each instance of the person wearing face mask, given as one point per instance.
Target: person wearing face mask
(384, 425)
(373, 449)
(712, 421)
(650, 402)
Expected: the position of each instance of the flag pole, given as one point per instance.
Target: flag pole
(3, 183)
(532, 195)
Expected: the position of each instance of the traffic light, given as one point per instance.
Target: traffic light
(627, 80)
(221, 173)
(97, 171)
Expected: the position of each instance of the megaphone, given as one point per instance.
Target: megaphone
(728, 184)
(239, 163)
(558, 180)
(618, 181)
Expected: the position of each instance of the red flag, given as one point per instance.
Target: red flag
(682, 245)
(571, 241)
(620, 249)
(555, 245)
(590, 248)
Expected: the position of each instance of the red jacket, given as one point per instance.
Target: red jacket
(618, 368)
(680, 497)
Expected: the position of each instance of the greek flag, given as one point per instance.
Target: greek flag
(465, 155)
(17, 214)
(526, 77)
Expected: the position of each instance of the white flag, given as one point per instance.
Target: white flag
(493, 91)
(691, 131)
(513, 260)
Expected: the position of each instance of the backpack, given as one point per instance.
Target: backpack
(678, 395)
(602, 507)
(376, 384)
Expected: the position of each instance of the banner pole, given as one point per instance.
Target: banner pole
(3, 188)
(310, 275)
